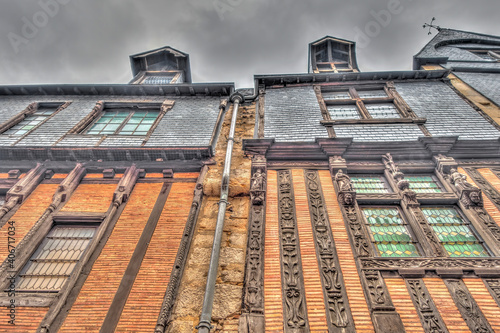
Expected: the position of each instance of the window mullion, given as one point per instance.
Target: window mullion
(359, 103)
(124, 122)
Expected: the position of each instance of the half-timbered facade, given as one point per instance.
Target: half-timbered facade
(351, 201)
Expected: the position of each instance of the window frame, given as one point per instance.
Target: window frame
(383, 179)
(405, 222)
(38, 249)
(131, 112)
(86, 123)
(494, 54)
(29, 111)
(434, 178)
(467, 222)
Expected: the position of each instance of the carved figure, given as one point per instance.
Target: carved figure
(258, 181)
(344, 181)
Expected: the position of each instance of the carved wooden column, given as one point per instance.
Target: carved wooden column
(180, 260)
(470, 200)
(429, 315)
(252, 318)
(23, 188)
(382, 311)
(428, 239)
(467, 306)
(347, 199)
(295, 309)
(339, 317)
(493, 286)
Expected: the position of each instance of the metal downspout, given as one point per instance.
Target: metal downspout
(206, 313)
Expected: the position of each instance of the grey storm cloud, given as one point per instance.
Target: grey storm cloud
(89, 41)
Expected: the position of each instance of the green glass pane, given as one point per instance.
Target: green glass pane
(465, 250)
(112, 127)
(140, 133)
(454, 233)
(148, 120)
(139, 114)
(130, 127)
(134, 120)
(397, 250)
(368, 185)
(396, 233)
(98, 127)
(143, 128)
(125, 133)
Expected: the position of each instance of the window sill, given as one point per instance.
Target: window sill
(418, 121)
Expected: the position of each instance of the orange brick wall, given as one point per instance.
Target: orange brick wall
(146, 297)
(27, 215)
(404, 305)
(91, 306)
(445, 305)
(486, 303)
(27, 319)
(312, 282)
(357, 301)
(273, 306)
(90, 198)
(186, 175)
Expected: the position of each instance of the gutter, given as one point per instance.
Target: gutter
(204, 325)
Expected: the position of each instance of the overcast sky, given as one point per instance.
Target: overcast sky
(89, 41)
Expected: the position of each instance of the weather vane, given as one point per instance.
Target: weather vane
(430, 25)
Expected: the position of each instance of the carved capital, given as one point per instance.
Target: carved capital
(337, 163)
(125, 186)
(444, 164)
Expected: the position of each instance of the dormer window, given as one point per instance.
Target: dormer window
(332, 55)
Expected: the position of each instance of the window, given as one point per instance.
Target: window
(31, 118)
(55, 258)
(370, 184)
(124, 121)
(487, 54)
(155, 79)
(454, 232)
(389, 232)
(424, 184)
(363, 104)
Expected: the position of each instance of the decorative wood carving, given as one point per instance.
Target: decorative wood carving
(180, 260)
(403, 185)
(336, 302)
(295, 313)
(349, 209)
(429, 234)
(493, 286)
(488, 189)
(379, 298)
(252, 319)
(467, 306)
(394, 264)
(468, 194)
(429, 315)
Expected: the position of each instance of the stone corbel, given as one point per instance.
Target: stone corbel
(22, 189)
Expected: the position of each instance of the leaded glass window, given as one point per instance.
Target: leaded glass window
(31, 121)
(124, 122)
(156, 79)
(454, 232)
(55, 258)
(389, 232)
(343, 112)
(372, 102)
(424, 184)
(369, 184)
